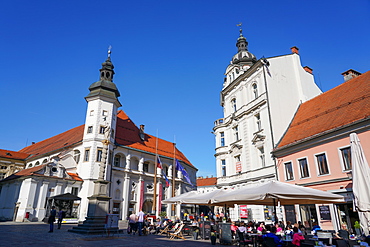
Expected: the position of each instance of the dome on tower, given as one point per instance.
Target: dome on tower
(243, 56)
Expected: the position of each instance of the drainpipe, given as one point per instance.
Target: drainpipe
(269, 114)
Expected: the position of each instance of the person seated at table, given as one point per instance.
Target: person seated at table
(272, 234)
(261, 227)
(288, 231)
(296, 225)
(297, 237)
(288, 224)
(301, 227)
(342, 233)
(250, 226)
(279, 230)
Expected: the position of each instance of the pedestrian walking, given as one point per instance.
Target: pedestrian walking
(61, 215)
(140, 221)
(132, 226)
(51, 219)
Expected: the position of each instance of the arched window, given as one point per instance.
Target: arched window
(37, 163)
(30, 165)
(233, 104)
(255, 90)
(76, 155)
(44, 161)
(134, 164)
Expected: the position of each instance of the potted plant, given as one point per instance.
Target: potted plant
(357, 228)
(213, 238)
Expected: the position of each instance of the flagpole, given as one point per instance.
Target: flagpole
(154, 208)
(173, 176)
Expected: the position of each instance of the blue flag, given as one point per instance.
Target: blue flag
(179, 167)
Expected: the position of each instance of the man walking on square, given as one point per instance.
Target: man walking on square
(51, 219)
(140, 221)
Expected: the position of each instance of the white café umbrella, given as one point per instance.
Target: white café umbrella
(360, 183)
(177, 199)
(271, 192)
(194, 197)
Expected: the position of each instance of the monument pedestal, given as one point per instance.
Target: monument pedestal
(97, 211)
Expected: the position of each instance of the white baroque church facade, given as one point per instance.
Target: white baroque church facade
(259, 99)
(109, 147)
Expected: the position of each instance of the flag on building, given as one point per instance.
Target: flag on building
(179, 167)
(159, 163)
(165, 178)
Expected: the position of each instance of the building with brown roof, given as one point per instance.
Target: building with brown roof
(108, 147)
(315, 150)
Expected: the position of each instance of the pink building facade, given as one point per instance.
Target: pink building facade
(315, 150)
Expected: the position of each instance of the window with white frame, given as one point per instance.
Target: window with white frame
(99, 155)
(102, 130)
(322, 164)
(289, 171)
(222, 139)
(223, 167)
(303, 167)
(87, 154)
(146, 167)
(76, 155)
(262, 156)
(89, 129)
(117, 160)
(255, 90)
(346, 158)
(258, 121)
(233, 104)
(236, 133)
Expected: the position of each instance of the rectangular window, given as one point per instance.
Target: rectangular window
(2, 175)
(262, 156)
(99, 155)
(322, 164)
(238, 164)
(223, 167)
(117, 161)
(146, 167)
(289, 171)
(89, 129)
(346, 158)
(3, 167)
(87, 154)
(222, 134)
(258, 122)
(74, 191)
(304, 168)
(236, 133)
(105, 113)
(101, 130)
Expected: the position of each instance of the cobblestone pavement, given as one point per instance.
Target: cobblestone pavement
(36, 234)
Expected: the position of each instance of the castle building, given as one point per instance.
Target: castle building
(109, 147)
(259, 99)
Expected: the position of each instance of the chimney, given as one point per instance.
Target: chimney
(308, 69)
(349, 74)
(295, 50)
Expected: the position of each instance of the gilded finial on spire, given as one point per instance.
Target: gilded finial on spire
(109, 50)
(240, 30)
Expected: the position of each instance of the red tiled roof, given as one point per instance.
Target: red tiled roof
(206, 181)
(340, 106)
(33, 172)
(57, 142)
(13, 154)
(128, 134)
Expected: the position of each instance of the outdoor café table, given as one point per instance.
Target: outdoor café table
(254, 237)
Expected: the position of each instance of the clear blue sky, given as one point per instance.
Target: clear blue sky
(169, 59)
